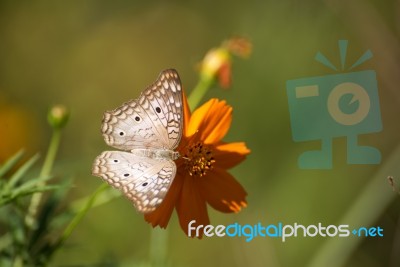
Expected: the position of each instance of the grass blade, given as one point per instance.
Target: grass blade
(11, 162)
(21, 193)
(20, 172)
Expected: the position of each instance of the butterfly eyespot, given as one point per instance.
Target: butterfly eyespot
(121, 133)
(158, 109)
(137, 118)
(126, 174)
(116, 161)
(144, 184)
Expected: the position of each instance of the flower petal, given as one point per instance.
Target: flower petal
(191, 206)
(160, 217)
(186, 112)
(228, 155)
(197, 117)
(212, 120)
(219, 123)
(225, 75)
(222, 191)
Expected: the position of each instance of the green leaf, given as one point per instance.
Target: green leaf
(33, 183)
(10, 163)
(21, 171)
(25, 192)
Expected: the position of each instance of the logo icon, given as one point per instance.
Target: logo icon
(336, 105)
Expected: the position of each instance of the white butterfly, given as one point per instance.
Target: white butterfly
(150, 128)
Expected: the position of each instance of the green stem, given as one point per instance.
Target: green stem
(199, 91)
(46, 170)
(367, 208)
(104, 198)
(158, 247)
(79, 216)
(51, 153)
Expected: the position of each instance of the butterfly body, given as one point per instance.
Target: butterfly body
(159, 154)
(148, 129)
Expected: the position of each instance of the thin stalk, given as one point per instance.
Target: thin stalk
(79, 216)
(366, 209)
(158, 247)
(45, 171)
(199, 92)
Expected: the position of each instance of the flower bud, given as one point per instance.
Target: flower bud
(217, 62)
(58, 116)
(214, 60)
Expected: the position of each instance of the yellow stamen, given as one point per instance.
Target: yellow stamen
(200, 159)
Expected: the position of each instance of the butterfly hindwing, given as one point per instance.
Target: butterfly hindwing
(145, 181)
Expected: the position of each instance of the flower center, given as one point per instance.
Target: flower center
(200, 159)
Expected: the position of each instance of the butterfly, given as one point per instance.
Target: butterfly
(148, 129)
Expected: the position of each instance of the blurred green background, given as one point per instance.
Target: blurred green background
(94, 55)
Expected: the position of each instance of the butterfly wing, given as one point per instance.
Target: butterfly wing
(144, 181)
(153, 120)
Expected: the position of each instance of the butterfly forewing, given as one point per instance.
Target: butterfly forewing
(150, 127)
(163, 102)
(153, 120)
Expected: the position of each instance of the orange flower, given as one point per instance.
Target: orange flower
(201, 176)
